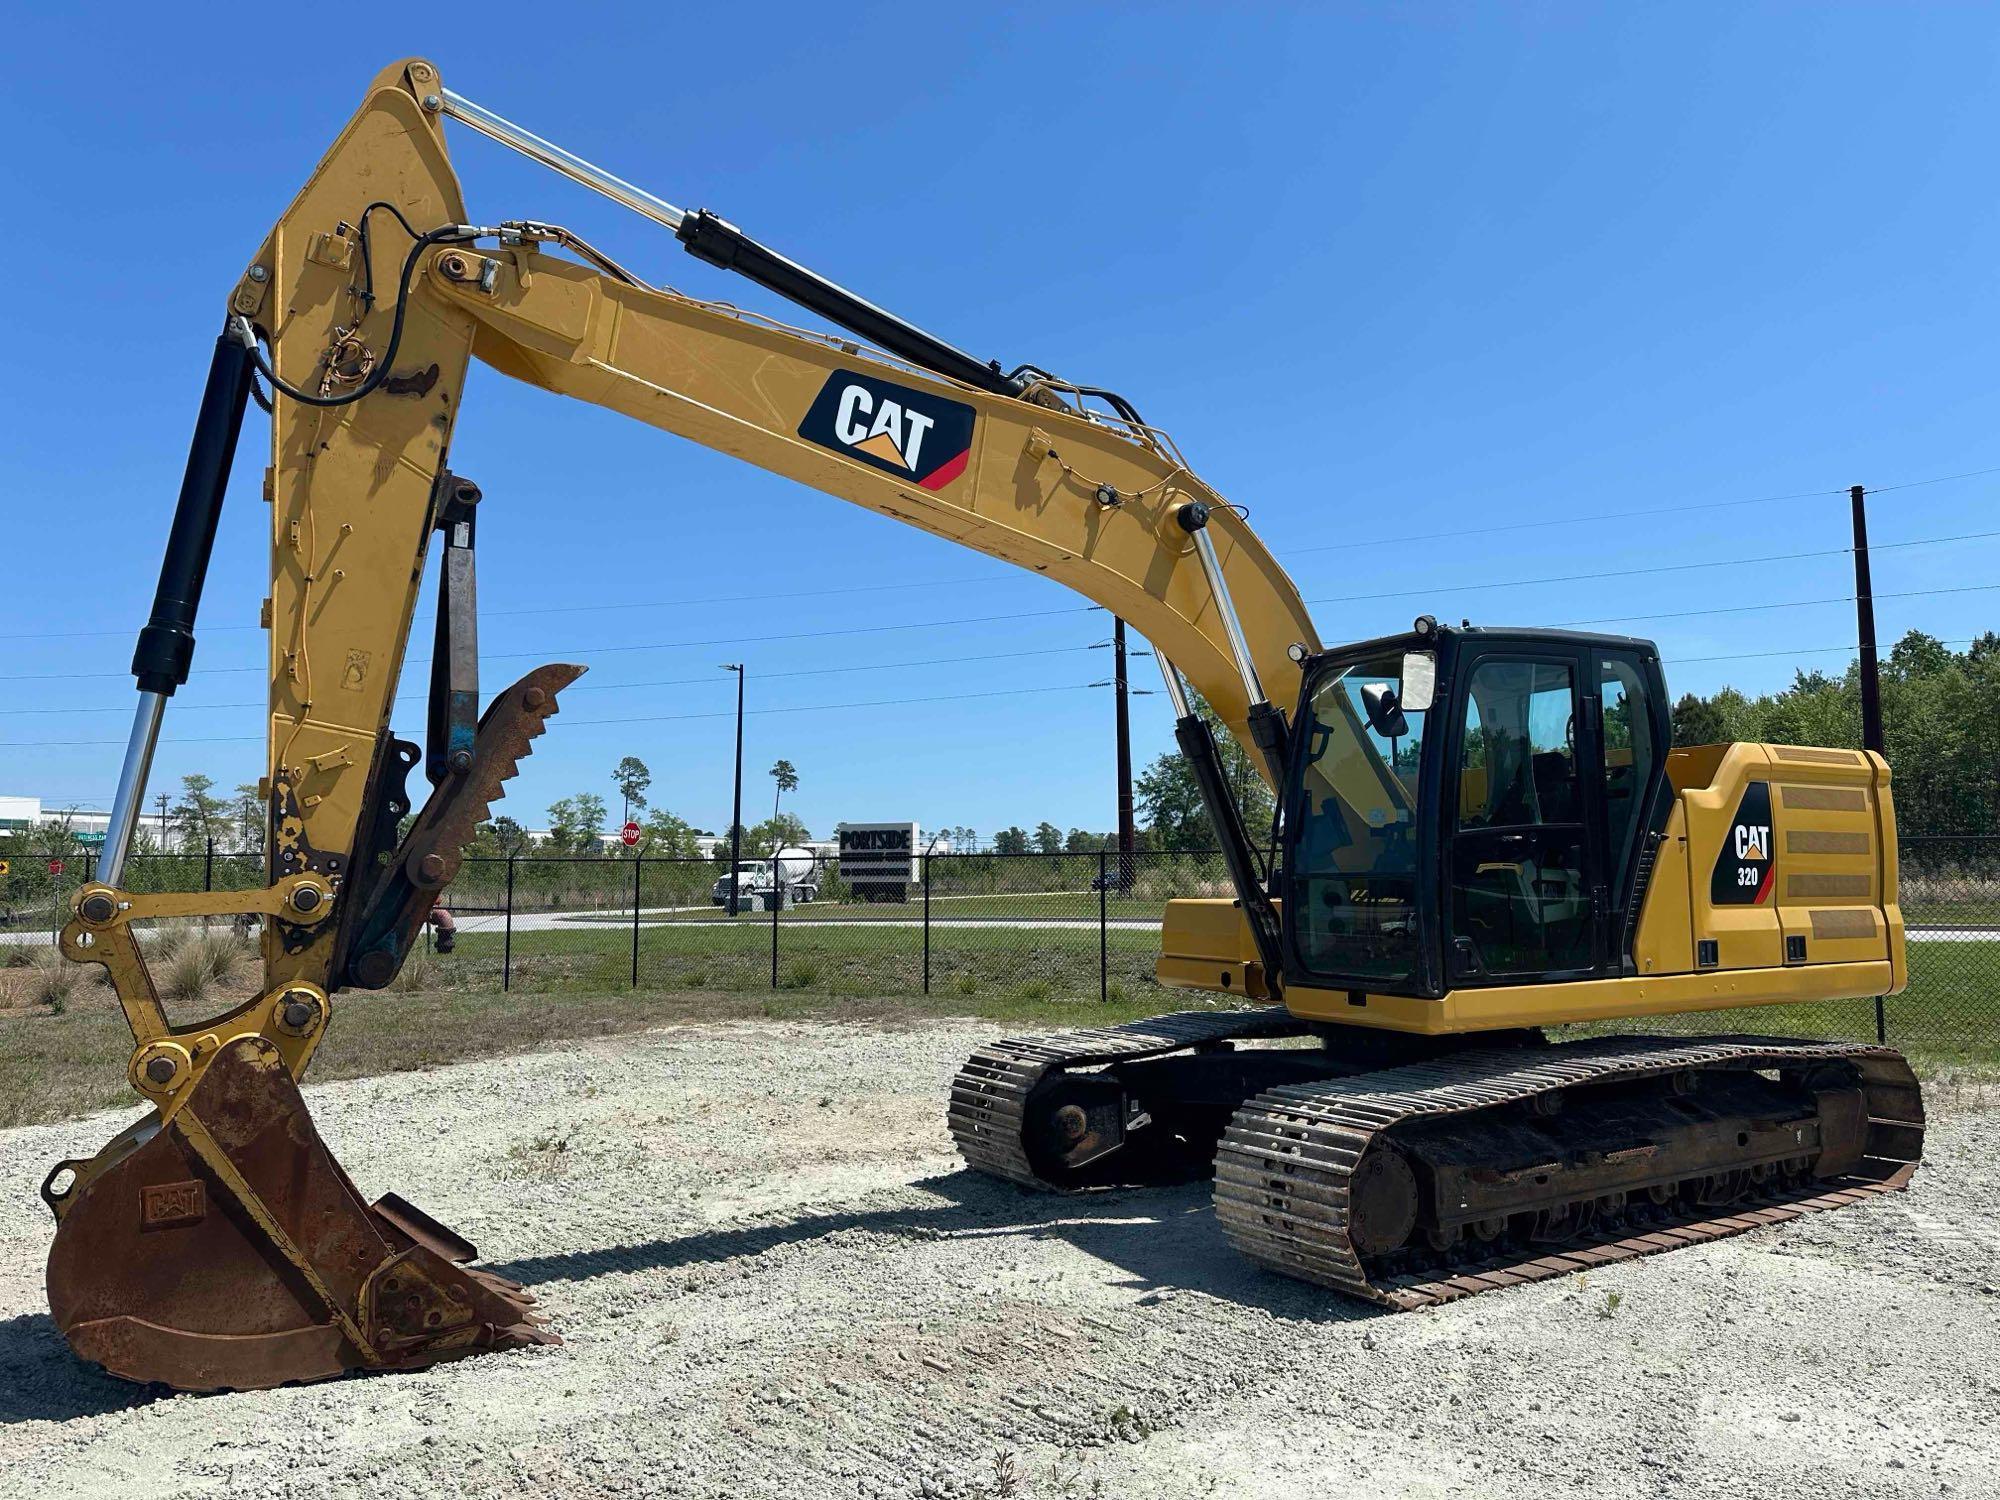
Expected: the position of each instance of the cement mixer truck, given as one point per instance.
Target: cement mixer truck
(796, 881)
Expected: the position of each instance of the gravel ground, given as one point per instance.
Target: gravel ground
(774, 1280)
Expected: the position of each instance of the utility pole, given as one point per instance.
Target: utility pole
(1125, 839)
(163, 822)
(1864, 620)
(1871, 675)
(736, 806)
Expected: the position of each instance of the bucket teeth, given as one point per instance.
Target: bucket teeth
(507, 730)
(230, 1251)
(376, 936)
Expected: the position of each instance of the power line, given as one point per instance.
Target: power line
(802, 708)
(1685, 567)
(1606, 574)
(578, 609)
(546, 653)
(1664, 510)
(613, 687)
(1685, 661)
(1737, 609)
(1912, 484)
(1658, 510)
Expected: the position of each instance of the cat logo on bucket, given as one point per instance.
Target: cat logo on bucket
(909, 433)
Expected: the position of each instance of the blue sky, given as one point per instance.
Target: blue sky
(1395, 278)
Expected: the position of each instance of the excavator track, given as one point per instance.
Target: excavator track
(1314, 1180)
(991, 1118)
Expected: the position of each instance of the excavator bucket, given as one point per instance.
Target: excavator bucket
(216, 1244)
(226, 1249)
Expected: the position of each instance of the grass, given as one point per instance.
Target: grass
(64, 1044)
(55, 1066)
(1950, 1014)
(192, 965)
(855, 961)
(1078, 906)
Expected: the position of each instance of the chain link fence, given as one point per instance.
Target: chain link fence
(1070, 928)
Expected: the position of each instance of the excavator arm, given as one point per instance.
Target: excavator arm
(362, 313)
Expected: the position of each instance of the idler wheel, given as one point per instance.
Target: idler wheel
(1382, 1203)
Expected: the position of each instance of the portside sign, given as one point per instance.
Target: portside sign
(911, 434)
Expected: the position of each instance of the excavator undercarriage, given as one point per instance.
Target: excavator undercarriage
(1481, 836)
(1464, 1167)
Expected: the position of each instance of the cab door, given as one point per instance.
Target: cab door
(1525, 877)
(1633, 733)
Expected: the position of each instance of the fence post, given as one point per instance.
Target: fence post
(208, 867)
(1881, 1022)
(1103, 929)
(638, 862)
(777, 900)
(928, 857)
(507, 942)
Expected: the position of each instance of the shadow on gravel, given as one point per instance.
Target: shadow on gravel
(41, 1381)
(1166, 1238)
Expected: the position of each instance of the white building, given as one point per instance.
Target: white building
(19, 814)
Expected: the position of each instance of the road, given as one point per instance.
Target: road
(706, 915)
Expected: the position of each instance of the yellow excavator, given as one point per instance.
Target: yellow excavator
(1481, 834)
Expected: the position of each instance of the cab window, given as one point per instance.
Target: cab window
(1352, 891)
(1629, 757)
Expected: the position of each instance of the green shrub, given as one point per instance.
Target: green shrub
(56, 979)
(192, 963)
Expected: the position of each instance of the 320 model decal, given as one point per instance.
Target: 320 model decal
(909, 433)
(1746, 864)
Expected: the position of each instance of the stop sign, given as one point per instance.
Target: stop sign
(55, 867)
(630, 834)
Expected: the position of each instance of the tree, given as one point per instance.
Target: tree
(508, 834)
(779, 828)
(1048, 838)
(1171, 800)
(590, 812)
(1011, 841)
(562, 822)
(632, 778)
(1940, 723)
(198, 817)
(1697, 721)
(575, 823)
(787, 777)
(247, 817)
(669, 837)
(1081, 841)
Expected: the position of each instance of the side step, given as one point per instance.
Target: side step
(1301, 1168)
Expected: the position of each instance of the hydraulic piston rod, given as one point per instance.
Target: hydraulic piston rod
(715, 240)
(166, 645)
(1266, 721)
(552, 156)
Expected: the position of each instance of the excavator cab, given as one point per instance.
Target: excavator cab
(1467, 807)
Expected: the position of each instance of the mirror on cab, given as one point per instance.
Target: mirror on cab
(1384, 710)
(1420, 675)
